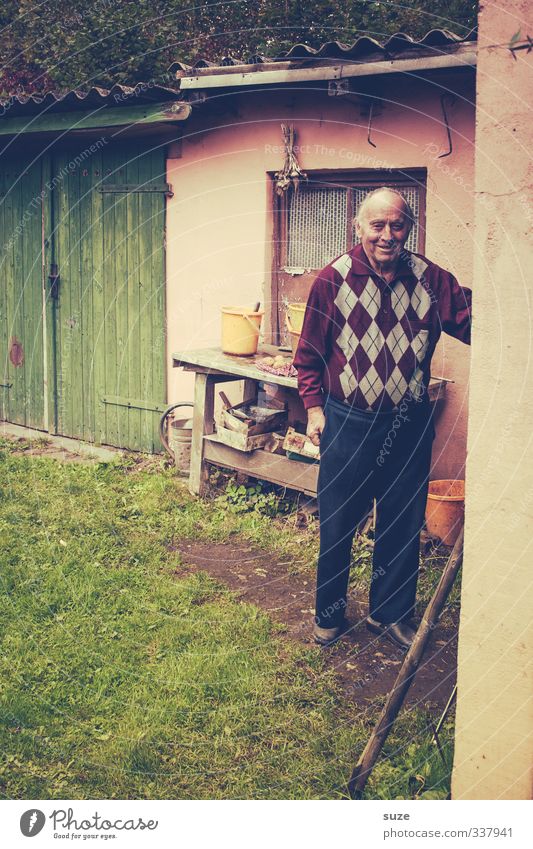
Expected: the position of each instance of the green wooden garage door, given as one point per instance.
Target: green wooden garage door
(104, 336)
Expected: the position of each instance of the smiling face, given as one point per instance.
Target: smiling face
(383, 228)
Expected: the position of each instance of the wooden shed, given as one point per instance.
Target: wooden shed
(82, 232)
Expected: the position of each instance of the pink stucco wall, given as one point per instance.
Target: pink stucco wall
(219, 222)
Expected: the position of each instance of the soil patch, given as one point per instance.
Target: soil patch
(54, 450)
(366, 665)
(48, 450)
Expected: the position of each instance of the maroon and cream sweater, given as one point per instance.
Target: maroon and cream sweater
(369, 343)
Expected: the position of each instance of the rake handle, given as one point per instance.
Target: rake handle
(406, 674)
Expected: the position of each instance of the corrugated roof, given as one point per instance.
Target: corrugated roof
(433, 42)
(119, 95)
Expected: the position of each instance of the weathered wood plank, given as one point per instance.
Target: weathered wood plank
(30, 296)
(35, 244)
(8, 376)
(50, 304)
(112, 387)
(63, 306)
(249, 389)
(133, 380)
(98, 296)
(203, 424)
(27, 307)
(158, 208)
(17, 282)
(22, 375)
(76, 388)
(121, 290)
(5, 381)
(99, 118)
(146, 302)
(264, 465)
(88, 235)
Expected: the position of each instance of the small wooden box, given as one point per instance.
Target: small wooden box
(300, 445)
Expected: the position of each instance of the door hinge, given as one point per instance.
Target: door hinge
(146, 188)
(134, 404)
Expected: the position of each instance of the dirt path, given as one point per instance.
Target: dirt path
(366, 665)
(57, 447)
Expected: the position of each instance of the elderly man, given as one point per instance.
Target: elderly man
(372, 322)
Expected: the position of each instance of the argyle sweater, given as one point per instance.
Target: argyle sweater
(368, 343)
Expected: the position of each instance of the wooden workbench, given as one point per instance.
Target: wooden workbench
(211, 366)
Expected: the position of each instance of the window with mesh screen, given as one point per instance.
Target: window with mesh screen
(412, 196)
(317, 221)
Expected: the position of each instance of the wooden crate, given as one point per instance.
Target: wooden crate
(235, 419)
(241, 441)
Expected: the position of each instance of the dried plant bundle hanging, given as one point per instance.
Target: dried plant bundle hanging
(291, 173)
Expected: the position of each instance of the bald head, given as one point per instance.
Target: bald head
(383, 223)
(378, 197)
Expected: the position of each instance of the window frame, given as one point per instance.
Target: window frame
(333, 178)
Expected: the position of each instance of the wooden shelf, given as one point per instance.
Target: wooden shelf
(264, 465)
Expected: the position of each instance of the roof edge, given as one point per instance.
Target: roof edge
(239, 76)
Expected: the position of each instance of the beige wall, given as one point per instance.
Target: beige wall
(219, 223)
(494, 740)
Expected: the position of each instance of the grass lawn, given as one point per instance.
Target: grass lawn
(120, 680)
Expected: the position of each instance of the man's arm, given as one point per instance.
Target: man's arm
(455, 307)
(313, 350)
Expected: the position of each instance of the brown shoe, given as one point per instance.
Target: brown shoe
(326, 636)
(399, 633)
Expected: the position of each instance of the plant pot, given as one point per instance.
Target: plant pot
(294, 334)
(445, 510)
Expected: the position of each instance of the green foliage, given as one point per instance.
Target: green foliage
(411, 765)
(74, 44)
(258, 496)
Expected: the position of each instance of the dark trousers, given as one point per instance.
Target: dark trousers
(385, 456)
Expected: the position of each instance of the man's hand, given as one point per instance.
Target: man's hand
(315, 424)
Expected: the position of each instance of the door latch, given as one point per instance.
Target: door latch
(53, 280)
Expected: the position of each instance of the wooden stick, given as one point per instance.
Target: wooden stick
(225, 400)
(406, 674)
(446, 710)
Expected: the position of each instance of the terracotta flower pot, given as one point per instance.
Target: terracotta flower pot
(445, 509)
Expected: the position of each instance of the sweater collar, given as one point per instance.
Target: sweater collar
(361, 264)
